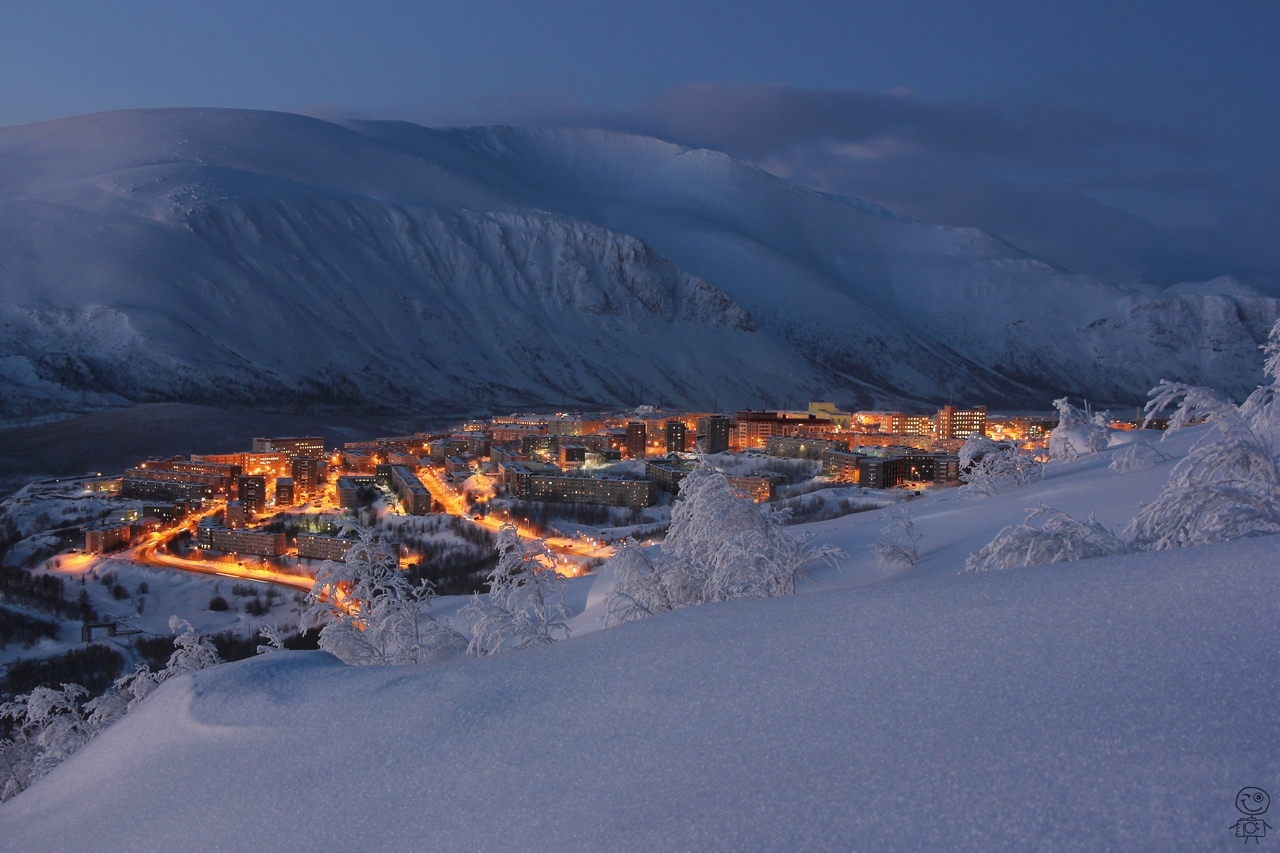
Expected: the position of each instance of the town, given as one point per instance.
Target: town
(578, 481)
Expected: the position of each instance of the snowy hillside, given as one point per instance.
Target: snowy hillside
(1116, 703)
(265, 258)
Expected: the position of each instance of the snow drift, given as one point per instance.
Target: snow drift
(1086, 706)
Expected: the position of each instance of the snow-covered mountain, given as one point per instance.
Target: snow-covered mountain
(274, 259)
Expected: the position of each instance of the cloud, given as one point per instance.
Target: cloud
(1115, 197)
(1097, 193)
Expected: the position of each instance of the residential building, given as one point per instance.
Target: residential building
(305, 473)
(751, 429)
(348, 489)
(636, 436)
(255, 542)
(316, 546)
(891, 469)
(675, 430)
(107, 536)
(234, 517)
(572, 456)
(953, 423)
(252, 492)
(801, 447)
(713, 434)
(567, 488)
(291, 446)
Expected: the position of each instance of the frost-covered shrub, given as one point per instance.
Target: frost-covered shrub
(720, 547)
(987, 467)
(53, 724)
(371, 613)
(1059, 539)
(49, 725)
(525, 603)
(1079, 431)
(1137, 456)
(639, 591)
(1228, 485)
(899, 542)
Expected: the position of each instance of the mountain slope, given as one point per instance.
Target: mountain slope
(272, 259)
(1115, 703)
(1112, 703)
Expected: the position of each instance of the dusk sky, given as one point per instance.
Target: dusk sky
(1129, 140)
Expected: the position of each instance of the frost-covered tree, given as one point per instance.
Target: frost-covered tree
(1079, 431)
(1059, 539)
(720, 547)
(369, 611)
(49, 725)
(525, 603)
(988, 467)
(1137, 456)
(1228, 485)
(899, 542)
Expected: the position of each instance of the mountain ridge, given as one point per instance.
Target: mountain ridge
(193, 255)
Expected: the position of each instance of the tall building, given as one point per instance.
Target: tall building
(253, 493)
(713, 434)
(636, 437)
(956, 423)
(285, 494)
(304, 470)
(675, 430)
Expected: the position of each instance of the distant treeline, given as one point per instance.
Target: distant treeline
(94, 667)
(18, 627)
(43, 592)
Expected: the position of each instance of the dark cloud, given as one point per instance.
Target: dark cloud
(759, 120)
(1094, 192)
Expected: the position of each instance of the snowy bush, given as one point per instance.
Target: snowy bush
(1079, 431)
(720, 547)
(639, 591)
(1059, 539)
(370, 612)
(52, 724)
(987, 466)
(899, 542)
(1137, 456)
(525, 603)
(1228, 485)
(49, 725)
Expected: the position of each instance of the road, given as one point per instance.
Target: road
(454, 504)
(147, 554)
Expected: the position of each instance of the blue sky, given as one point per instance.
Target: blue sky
(1128, 139)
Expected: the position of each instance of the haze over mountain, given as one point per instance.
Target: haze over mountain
(274, 260)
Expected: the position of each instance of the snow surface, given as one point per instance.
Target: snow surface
(213, 255)
(1110, 704)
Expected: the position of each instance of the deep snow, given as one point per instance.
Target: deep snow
(1108, 704)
